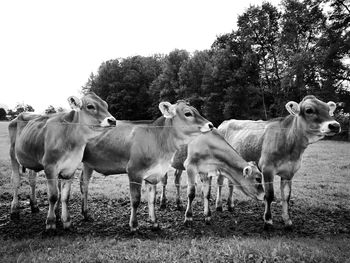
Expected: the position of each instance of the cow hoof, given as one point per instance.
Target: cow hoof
(207, 220)
(188, 221)
(155, 227)
(268, 225)
(219, 209)
(50, 226)
(163, 206)
(288, 225)
(14, 216)
(35, 209)
(134, 229)
(67, 224)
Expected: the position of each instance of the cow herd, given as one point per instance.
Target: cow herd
(248, 153)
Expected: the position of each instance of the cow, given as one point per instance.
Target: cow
(277, 146)
(55, 143)
(144, 152)
(210, 154)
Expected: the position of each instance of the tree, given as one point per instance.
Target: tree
(125, 85)
(21, 107)
(167, 85)
(50, 110)
(2, 114)
(60, 109)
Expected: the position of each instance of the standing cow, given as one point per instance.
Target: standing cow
(143, 151)
(55, 143)
(277, 146)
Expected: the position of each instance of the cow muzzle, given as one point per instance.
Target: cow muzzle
(330, 128)
(109, 121)
(207, 127)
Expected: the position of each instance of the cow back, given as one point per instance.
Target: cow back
(245, 136)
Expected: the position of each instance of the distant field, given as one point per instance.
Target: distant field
(320, 210)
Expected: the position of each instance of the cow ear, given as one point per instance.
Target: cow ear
(247, 171)
(167, 109)
(293, 108)
(332, 107)
(75, 103)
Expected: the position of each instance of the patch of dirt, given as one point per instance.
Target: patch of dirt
(111, 219)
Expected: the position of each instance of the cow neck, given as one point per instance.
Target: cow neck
(165, 135)
(297, 139)
(82, 131)
(228, 159)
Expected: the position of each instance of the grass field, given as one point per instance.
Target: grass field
(320, 211)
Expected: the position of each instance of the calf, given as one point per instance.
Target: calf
(143, 151)
(210, 154)
(55, 144)
(277, 145)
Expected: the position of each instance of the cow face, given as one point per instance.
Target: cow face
(185, 119)
(251, 185)
(316, 117)
(93, 110)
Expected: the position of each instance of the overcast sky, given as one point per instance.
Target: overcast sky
(49, 48)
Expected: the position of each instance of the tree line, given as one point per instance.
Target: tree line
(274, 55)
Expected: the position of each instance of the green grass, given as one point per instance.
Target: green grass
(321, 185)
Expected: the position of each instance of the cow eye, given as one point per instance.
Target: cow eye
(309, 111)
(90, 107)
(188, 114)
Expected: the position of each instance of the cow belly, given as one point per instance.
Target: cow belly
(156, 172)
(287, 169)
(29, 161)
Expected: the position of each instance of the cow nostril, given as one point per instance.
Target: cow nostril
(112, 121)
(210, 125)
(334, 126)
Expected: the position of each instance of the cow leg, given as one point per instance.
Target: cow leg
(206, 197)
(57, 206)
(178, 174)
(84, 188)
(191, 193)
(15, 178)
(52, 189)
(269, 196)
(32, 182)
(152, 191)
(286, 189)
(135, 198)
(65, 192)
(218, 202)
(230, 199)
(164, 182)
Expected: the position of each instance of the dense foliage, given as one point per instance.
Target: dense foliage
(274, 56)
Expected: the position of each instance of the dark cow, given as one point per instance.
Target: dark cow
(143, 151)
(277, 145)
(55, 143)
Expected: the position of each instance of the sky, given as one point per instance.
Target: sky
(48, 49)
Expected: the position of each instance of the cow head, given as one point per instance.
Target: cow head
(315, 116)
(93, 110)
(185, 119)
(251, 185)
